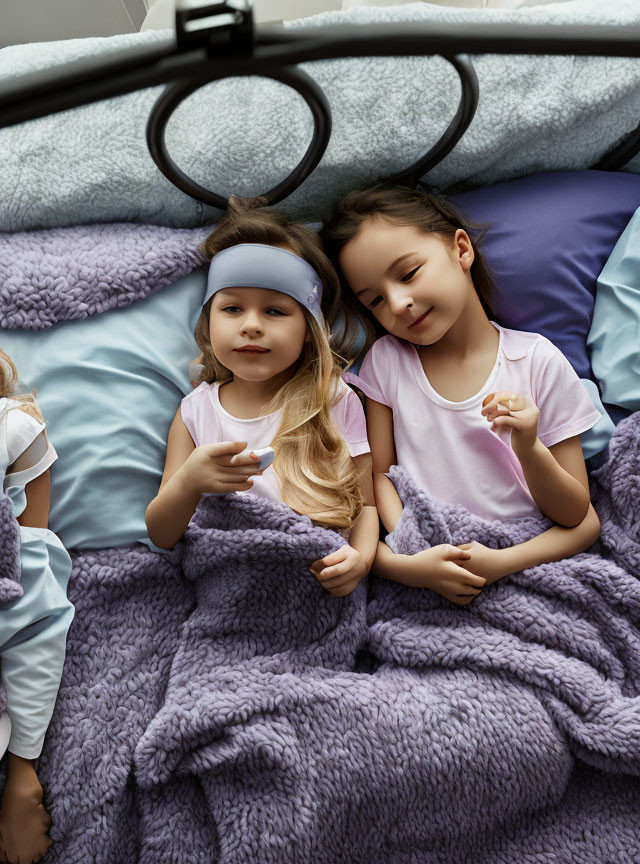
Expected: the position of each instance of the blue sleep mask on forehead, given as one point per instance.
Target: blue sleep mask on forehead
(257, 265)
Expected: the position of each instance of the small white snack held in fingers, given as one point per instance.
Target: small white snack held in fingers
(264, 454)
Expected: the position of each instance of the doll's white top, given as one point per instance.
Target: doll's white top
(207, 422)
(449, 447)
(20, 433)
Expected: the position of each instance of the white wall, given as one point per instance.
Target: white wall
(50, 20)
(162, 12)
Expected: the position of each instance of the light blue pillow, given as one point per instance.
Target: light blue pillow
(109, 386)
(614, 337)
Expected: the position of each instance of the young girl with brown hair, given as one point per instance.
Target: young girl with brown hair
(476, 413)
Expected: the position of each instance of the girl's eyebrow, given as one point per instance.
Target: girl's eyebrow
(390, 267)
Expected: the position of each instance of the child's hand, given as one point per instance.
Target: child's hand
(209, 470)
(341, 571)
(442, 569)
(486, 562)
(24, 822)
(506, 408)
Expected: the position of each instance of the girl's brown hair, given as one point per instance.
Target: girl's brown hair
(311, 457)
(400, 205)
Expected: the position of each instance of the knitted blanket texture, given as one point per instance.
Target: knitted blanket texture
(219, 717)
(10, 568)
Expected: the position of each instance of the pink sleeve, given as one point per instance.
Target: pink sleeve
(373, 377)
(349, 416)
(565, 406)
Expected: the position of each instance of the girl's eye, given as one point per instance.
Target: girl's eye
(231, 309)
(375, 302)
(408, 276)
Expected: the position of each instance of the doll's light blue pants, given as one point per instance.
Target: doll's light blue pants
(33, 635)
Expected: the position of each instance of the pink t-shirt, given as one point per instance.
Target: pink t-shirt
(207, 421)
(449, 447)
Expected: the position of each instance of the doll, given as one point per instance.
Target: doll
(270, 375)
(477, 414)
(33, 628)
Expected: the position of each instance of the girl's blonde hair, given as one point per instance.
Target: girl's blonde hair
(312, 459)
(9, 385)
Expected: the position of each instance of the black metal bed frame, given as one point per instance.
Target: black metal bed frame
(220, 40)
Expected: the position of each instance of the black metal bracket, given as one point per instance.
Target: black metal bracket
(216, 26)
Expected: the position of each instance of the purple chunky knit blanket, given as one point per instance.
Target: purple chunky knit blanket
(476, 727)
(10, 567)
(261, 617)
(218, 718)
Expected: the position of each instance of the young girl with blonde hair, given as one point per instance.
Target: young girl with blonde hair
(33, 627)
(270, 375)
(476, 413)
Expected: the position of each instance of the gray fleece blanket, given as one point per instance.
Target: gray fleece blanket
(245, 135)
(477, 721)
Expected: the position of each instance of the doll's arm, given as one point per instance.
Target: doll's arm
(38, 492)
(24, 822)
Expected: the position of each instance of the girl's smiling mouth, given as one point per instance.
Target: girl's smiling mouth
(420, 319)
(253, 349)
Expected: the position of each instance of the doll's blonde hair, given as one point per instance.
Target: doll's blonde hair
(312, 459)
(9, 386)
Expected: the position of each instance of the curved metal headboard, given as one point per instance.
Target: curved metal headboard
(219, 41)
(315, 98)
(176, 93)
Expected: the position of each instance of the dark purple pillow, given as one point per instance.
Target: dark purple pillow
(549, 236)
